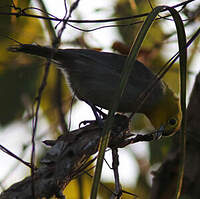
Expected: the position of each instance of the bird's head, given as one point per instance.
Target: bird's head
(167, 115)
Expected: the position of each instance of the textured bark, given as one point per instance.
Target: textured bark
(67, 158)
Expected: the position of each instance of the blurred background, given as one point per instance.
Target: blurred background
(21, 76)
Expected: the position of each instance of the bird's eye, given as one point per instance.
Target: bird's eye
(172, 121)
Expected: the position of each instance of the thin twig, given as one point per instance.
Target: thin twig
(58, 93)
(56, 43)
(35, 121)
(115, 165)
(14, 156)
(89, 21)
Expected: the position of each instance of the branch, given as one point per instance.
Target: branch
(66, 159)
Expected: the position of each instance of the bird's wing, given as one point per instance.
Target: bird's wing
(101, 72)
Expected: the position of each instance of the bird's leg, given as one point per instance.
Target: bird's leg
(101, 113)
(85, 122)
(97, 113)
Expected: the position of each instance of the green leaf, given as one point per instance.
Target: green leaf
(16, 85)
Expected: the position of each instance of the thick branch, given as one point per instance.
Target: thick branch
(65, 159)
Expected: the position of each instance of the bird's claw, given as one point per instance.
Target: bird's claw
(85, 122)
(158, 133)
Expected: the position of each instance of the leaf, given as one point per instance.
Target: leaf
(15, 85)
(18, 76)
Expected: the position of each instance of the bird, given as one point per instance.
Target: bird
(94, 76)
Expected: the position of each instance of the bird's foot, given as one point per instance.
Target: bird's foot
(158, 134)
(87, 122)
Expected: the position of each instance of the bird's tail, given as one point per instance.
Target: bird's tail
(36, 50)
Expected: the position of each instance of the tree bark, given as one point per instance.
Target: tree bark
(67, 158)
